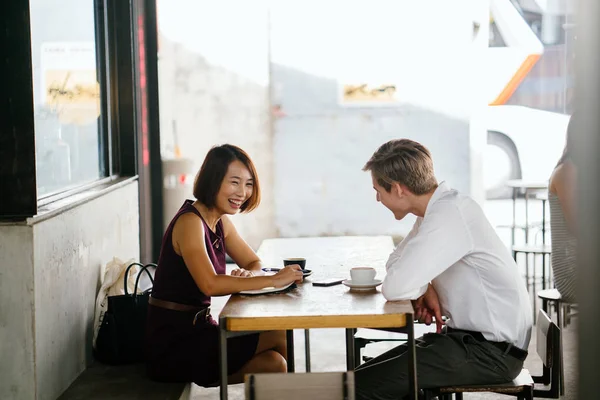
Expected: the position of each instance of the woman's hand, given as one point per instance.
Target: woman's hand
(287, 275)
(242, 273)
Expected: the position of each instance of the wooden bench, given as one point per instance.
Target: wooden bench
(123, 382)
(548, 348)
(521, 386)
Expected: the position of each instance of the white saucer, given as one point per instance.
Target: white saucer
(362, 286)
(266, 290)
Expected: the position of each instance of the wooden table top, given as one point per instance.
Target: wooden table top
(308, 306)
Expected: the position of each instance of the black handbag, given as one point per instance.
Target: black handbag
(121, 335)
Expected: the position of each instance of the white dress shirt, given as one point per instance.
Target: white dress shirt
(456, 249)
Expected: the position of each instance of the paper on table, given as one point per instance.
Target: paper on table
(270, 289)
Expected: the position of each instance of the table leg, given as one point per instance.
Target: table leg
(559, 322)
(526, 216)
(412, 358)
(526, 271)
(543, 271)
(514, 219)
(544, 222)
(350, 349)
(533, 287)
(289, 334)
(223, 356)
(307, 348)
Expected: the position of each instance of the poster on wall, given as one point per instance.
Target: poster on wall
(368, 94)
(69, 84)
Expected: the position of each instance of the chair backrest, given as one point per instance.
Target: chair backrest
(548, 340)
(300, 386)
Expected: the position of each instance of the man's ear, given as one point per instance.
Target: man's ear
(398, 189)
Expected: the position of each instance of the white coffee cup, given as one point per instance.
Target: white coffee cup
(362, 275)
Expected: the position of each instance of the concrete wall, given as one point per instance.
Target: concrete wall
(214, 73)
(49, 279)
(17, 313)
(213, 77)
(320, 187)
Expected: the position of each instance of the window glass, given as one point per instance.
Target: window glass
(66, 94)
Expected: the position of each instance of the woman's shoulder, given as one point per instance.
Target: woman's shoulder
(188, 223)
(226, 226)
(563, 173)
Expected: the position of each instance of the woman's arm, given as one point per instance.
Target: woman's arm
(238, 249)
(188, 241)
(563, 184)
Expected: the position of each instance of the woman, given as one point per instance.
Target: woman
(182, 338)
(562, 220)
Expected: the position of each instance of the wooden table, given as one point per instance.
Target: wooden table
(308, 306)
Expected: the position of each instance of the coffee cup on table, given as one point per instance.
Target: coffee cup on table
(362, 275)
(295, 260)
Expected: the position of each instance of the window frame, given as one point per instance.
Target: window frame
(18, 183)
(117, 122)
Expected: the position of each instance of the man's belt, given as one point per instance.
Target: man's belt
(505, 347)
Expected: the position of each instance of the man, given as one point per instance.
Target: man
(452, 263)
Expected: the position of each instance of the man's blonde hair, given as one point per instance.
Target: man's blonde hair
(406, 162)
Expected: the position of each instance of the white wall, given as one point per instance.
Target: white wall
(426, 49)
(213, 77)
(49, 279)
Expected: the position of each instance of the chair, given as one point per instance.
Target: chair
(543, 250)
(300, 386)
(552, 297)
(548, 348)
(363, 337)
(521, 387)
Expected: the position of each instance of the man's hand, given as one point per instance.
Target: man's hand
(428, 306)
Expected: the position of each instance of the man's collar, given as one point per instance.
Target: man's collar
(439, 192)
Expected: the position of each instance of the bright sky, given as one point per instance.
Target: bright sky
(423, 47)
(229, 33)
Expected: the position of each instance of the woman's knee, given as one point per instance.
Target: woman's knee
(273, 361)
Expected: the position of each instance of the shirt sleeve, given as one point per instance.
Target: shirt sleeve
(440, 241)
(400, 248)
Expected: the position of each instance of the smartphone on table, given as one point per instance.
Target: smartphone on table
(328, 282)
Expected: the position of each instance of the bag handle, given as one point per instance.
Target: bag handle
(137, 279)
